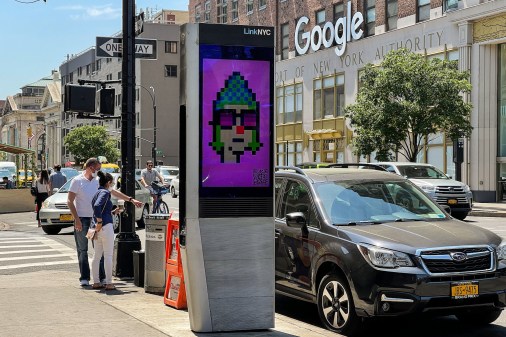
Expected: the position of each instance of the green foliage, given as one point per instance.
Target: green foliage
(91, 141)
(406, 99)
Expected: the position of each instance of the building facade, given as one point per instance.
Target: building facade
(317, 76)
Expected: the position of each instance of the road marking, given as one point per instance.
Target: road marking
(30, 257)
(27, 241)
(25, 223)
(37, 251)
(23, 238)
(41, 264)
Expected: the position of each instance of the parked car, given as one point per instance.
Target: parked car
(343, 242)
(174, 187)
(69, 172)
(168, 173)
(25, 181)
(55, 214)
(308, 165)
(437, 185)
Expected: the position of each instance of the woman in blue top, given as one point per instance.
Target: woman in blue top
(104, 231)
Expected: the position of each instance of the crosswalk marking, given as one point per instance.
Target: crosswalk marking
(25, 223)
(31, 248)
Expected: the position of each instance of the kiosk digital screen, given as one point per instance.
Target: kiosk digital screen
(236, 118)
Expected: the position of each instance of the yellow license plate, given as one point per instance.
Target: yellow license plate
(464, 290)
(452, 201)
(66, 217)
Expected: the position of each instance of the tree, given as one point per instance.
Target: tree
(406, 100)
(91, 141)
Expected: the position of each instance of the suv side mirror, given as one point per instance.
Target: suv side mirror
(296, 220)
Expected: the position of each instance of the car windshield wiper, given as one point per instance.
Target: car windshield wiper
(407, 219)
(363, 222)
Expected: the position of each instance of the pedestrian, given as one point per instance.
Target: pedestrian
(81, 192)
(7, 184)
(56, 179)
(148, 175)
(42, 186)
(104, 231)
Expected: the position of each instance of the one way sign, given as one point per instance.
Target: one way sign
(112, 47)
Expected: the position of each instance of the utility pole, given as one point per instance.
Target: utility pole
(127, 240)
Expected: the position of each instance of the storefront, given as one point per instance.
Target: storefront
(313, 89)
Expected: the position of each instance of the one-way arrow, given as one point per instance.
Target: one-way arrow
(110, 47)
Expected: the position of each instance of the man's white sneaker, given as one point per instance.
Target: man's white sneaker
(85, 283)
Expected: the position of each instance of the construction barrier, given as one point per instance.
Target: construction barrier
(175, 292)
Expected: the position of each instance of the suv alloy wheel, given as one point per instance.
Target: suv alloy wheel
(335, 305)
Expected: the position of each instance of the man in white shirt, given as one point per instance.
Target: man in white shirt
(81, 192)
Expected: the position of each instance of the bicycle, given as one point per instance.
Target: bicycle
(160, 206)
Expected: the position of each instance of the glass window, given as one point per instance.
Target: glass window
(298, 102)
(171, 47)
(280, 153)
(392, 14)
(423, 10)
(284, 41)
(221, 6)
(370, 17)
(235, 15)
(501, 93)
(280, 114)
(317, 99)
(289, 103)
(207, 11)
(262, 4)
(320, 17)
(297, 199)
(197, 13)
(328, 97)
(249, 6)
(450, 5)
(170, 71)
(339, 12)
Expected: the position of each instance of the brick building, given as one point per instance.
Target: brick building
(317, 79)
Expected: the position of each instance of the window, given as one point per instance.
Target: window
(280, 153)
(284, 41)
(221, 11)
(320, 17)
(171, 47)
(297, 199)
(119, 75)
(450, 5)
(170, 71)
(249, 6)
(339, 13)
(262, 4)
(88, 69)
(207, 11)
(99, 64)
(289, 153)
(108, 77)
(79, 71)
(423, 10)
(328, 96)
(235, 15)
(370, 17)
(391, 14)
(289, 103)
(329, 150)
(197, 13)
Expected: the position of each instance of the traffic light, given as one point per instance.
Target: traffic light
(106, 104)
(80, 98)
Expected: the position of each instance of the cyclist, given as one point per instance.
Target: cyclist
(148, 175)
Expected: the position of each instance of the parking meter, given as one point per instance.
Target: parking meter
(227, 194)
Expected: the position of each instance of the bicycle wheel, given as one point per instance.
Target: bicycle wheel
(163, 208)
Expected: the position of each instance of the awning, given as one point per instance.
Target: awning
(15, 149)
(324, 134)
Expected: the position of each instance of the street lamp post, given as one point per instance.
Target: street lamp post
(152, 94)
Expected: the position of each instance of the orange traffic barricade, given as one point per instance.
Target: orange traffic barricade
(175, 291)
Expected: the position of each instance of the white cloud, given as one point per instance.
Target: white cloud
(79, 12)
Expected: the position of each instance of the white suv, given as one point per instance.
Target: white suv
(436, 184)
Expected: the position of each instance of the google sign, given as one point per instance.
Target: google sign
(349, 28)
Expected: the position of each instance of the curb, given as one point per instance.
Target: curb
(493, 214)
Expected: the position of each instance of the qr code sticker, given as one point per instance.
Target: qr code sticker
(260, 177)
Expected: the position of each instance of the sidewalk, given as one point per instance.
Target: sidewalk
(51, 303)
(492, 209)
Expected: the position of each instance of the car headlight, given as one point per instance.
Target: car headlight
(501, 251)
(46, 204)
(428, 188)
(467, 188)
(384, 258)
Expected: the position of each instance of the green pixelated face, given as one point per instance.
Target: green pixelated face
(235, 120)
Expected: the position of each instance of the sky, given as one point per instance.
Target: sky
(36, 36)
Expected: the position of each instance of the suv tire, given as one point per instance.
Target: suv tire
(459, 215)
(335, 305)
(479, 317)
(51, 230)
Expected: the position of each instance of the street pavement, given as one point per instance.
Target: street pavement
(40, 295)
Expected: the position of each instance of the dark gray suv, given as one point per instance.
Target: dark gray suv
(344, 243)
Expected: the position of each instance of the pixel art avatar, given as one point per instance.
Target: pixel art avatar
(236, 125)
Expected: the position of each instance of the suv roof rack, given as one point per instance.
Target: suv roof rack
(293, 168)
(359, 165)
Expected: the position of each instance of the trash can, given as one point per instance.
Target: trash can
(139, 256)
(156, 233)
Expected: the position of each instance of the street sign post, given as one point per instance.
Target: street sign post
(112, 47)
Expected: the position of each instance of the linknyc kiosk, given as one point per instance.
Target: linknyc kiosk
(226, 159)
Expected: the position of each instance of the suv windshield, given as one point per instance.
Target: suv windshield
(354, 202)
(420, 172)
